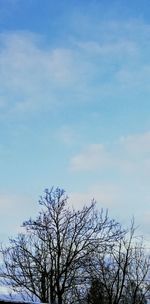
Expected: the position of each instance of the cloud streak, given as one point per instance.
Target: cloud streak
(36, 76)
(30, 74)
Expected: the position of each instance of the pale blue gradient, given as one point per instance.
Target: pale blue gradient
(74, 106)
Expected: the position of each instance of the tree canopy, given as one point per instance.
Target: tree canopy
(72, 256)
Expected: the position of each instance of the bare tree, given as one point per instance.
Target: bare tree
(121, 272)
(48, 261)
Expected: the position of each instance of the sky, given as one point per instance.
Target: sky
(75, 107)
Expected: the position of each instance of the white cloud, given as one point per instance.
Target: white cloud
(112, 196)
(129, 155)
(124, 47)
(120, 51)
(37, 76)
(106, 195)
(92, 157)
(139, 143)
(31, 74)
(136, 150)
(127, 163)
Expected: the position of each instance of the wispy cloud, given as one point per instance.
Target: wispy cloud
(94, 156)
(138, 144)
(107, 195)
(30, 74)
(127, 163)
(129, 154)
(120, 48)
(35, 75)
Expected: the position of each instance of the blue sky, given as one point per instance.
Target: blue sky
(74, 106)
